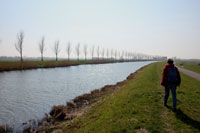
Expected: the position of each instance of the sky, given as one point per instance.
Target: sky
(154, 27)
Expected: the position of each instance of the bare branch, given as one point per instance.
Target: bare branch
(122, 55)
(92, 51)
(115, 54)
(19, 44)
(56, 49)
(68, 50)
(41, 47)
(102, 53)
(107, 53)
(78, 50)
(98, 52)
(119, 55)
(111, 53)
(85, 51)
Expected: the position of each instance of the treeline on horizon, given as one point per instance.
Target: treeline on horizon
(101, 54)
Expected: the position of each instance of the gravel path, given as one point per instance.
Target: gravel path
(190, 73)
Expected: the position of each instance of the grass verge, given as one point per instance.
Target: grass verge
(138, 107)
(193, 66)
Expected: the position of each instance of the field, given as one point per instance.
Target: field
(138, 107)
(193, 66)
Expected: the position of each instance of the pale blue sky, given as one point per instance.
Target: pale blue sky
(156, 27)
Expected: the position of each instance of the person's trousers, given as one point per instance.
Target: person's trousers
(173, 90)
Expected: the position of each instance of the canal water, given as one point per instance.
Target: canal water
(27, 95)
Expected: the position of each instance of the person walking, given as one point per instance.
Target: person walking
(170, 80)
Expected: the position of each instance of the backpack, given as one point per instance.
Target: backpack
(172, 75)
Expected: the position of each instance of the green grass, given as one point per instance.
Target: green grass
(193, 66)
(138, 106)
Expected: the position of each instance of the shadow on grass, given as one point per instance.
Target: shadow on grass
(187, 120)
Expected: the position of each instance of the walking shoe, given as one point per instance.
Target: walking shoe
(166, 105)
(174, 109)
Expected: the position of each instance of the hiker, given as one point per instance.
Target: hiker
(170, 80)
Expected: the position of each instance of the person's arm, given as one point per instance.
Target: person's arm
(163, 82)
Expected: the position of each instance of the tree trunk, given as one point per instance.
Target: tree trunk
(21, 57)
(41, 57)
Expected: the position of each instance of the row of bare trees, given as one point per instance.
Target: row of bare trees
(100, 53)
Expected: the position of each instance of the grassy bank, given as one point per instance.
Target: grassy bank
(138, 106)
(193, 66)
(17, 65)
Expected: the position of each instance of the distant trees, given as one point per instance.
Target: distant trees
(107, 53)
(111, 53)
(92, 51)
(42, 47)
(95, 52)
(56, 49)
(85, 51)
(115, 54)
(102, 53)
(19, 44)
(98, 52)
(119, 55)
(122, 55)
(68, 49)
(77, 50)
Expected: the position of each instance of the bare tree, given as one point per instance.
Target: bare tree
(122, 55)
(111, 53)
(102, 53)
(107, 53)
(19, 44)
(56, 49)
(41, 47)
(126, 55)
(92, 51)
(85, 51)
(78, 50)
(115, 54)
(98, 52)
(68, 50)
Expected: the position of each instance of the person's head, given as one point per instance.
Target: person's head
(170, 61)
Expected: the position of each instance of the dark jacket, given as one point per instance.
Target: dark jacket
(164, 81)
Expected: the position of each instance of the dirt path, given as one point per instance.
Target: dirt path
(190, 73)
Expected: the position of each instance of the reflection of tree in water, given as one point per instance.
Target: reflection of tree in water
(187, 120)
